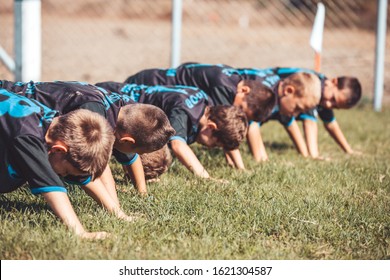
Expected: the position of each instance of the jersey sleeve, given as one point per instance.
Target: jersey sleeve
(124, 159)
(179, 121)
(308, 115)
(95, 107)
(326, 115)
(31, 160)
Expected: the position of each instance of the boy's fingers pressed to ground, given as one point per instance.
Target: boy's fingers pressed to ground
(95, 235)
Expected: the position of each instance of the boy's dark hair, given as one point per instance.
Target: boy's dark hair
(261, 100)
(351, 88)
(147, 124)
(89, 138)
(156, 163)
(231, 124)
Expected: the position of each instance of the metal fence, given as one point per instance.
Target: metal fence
(97, 40)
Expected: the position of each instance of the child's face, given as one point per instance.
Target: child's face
(63, 167)
(291, 105)
(332, 97)
(206, 138)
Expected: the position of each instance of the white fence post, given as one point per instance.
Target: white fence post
(380, 54)
(176, 32)
(27, 40)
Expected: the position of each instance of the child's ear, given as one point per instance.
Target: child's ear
(212, 125)
(245, 90)
(58, 148)
(289, 90)
(335, 81)
(127, 139)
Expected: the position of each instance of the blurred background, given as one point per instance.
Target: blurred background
(97, 40)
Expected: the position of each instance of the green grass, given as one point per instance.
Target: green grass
(288, 208)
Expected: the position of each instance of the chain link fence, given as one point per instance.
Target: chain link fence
(97, 40)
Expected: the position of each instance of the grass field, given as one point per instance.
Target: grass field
(288, 208)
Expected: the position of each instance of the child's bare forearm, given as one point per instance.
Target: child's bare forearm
(187, 157)
(236, 158)
(311, 133)
(255, 143)
(296, 136)
(136, 173)
(61, 206)
(335, 131)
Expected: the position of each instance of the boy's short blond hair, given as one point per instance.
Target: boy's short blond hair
(147, 124)
(89, 138)
(307, 86)
(156, 163)
(232, 125)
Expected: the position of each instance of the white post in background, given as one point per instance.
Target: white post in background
(380, 54)
(176, 32)
(27, 40)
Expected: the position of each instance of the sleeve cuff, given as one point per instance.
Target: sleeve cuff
(48, 189)
(178, 138)
(130, 162)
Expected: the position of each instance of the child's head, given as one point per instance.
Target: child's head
(224, 126)
(156, 163)
(341, 93)
(256, 100)
(80, 142)
(298, 93)
(142, 128)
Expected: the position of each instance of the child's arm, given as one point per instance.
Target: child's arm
(255, 143)
(99, 193)
(136, 173)
(311, 134)
(60, 204)
(187, 157)
(335, 131)
(296, 136)
(234, 159)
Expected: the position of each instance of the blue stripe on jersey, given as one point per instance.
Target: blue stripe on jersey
(258, 123)
(290, 122)
(178, 138)
(304, 116)
(86, 181)
(47, 189)
(332, 120)
(202, 65)
(130, 162)
(12, 173)
(171, 72)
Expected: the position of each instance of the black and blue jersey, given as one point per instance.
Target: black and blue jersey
(218, 81)
(183, 105)
(23, 150)
(65, 97)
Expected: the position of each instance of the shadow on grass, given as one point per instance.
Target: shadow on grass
(278, 146)
(8, 205)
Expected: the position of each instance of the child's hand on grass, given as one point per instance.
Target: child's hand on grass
(132, 217)
(217, 180)
(356, 153)
(94, 235)
(322, 158)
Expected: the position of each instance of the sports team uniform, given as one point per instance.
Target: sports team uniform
(217, 81)
(183, 105)
(65, 97)
(23, 149)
